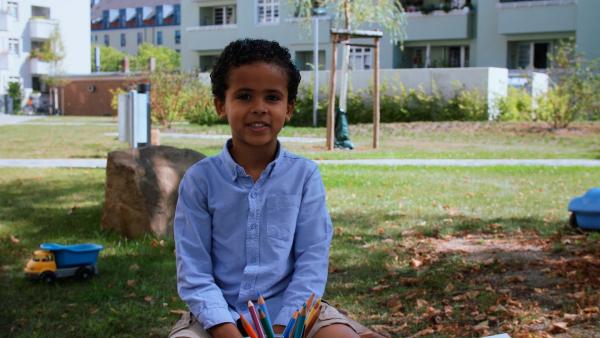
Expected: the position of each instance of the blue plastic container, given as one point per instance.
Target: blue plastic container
(74, 255)
(586, 209)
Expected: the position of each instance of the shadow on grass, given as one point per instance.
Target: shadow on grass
(131, 296)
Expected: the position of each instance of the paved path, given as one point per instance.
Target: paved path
(283, 139)
(16, 119)
(101, 163)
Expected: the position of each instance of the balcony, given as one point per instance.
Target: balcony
(38, 67)
(4, 61)
(439, 25)
(213, 37)
(4, 19)
(546, 16)
(41, 29)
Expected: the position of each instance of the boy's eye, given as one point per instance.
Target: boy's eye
(273, 97)
(243, 97)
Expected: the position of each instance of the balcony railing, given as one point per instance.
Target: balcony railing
(532, 3)
(41, 29)
(4, 61)
(38, 67)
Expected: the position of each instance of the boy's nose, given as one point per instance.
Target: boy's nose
(259, 108)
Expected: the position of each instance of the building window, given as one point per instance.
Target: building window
(159, 38)
(12, 8)
(177, 13)
(140, 38)
(304, 60)
(13, 46)
(224, 15)
(528, 55)
(96, 39)
(268, 11)
(177, 36)
(123, 41)
(207, 62)
(106, 40)
(360, 58)
(139, 16)
(40, 12)
(159, 15)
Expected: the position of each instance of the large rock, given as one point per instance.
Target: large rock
(142, 188)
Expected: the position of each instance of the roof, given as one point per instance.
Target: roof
(118, 4)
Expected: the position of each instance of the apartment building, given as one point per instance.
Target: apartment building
(25, 25)
(126, 24)
(514, 34)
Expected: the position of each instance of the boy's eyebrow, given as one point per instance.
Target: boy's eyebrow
(245, 89)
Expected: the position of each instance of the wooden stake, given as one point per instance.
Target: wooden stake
(376, 95)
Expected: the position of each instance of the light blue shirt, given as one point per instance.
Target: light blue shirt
(236, 239)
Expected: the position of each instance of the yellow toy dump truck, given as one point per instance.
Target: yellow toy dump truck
(53, 261)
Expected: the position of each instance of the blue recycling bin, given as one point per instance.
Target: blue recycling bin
(586, 210)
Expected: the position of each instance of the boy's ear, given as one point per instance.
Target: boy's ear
(220, 107)
(290, 111)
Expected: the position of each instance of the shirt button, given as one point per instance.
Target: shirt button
(253, 194)
(246, 285)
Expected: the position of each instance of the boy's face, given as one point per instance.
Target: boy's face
(256, 104)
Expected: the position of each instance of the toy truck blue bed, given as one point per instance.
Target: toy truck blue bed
(73, 255)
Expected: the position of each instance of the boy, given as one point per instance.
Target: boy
(252, 220)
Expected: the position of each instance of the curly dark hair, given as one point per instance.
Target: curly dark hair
(246, 51)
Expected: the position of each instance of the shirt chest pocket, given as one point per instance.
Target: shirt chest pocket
(282, 213)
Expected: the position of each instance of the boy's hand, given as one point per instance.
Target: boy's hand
(225, 330)
(278, 329)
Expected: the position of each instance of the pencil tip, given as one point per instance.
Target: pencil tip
(250, 303)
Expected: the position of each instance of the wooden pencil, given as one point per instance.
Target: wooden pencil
(314, 315)
(262, 305)
(266, 324)
(299, 331)
(255, 319)
(249, 330)
(290, 326)
(309, 301)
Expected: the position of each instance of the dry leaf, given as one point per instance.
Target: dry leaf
(483, 326)
(559, 327)
(14, 239)
(148, 299)
(415, 263)
(131, 283)
(422, 303)
(423, 332)
(134, 267)
(178, 312)
(379, 288)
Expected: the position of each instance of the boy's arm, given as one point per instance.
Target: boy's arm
(193, 232)
(310, 249)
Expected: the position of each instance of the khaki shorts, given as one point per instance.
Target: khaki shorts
(188, 325)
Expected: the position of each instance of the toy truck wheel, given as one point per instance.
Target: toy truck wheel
(84, 273)
(48, 277)
(573, 220)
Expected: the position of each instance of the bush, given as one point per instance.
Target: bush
(14, 91)
(177, 96)
(516, 106)
(401, 105)
(555, 107)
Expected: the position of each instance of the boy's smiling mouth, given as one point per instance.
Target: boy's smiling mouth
(258, 125)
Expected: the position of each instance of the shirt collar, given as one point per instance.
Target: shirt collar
(234, 170)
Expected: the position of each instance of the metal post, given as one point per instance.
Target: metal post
(316, 66)
(331, 106)
(144, 88)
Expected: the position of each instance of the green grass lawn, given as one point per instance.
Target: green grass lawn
(81, 137)
(377, 212)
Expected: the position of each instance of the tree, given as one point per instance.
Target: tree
(355, 14)
(166, 58)
(14, 92)
(111, 59)
(575, 89)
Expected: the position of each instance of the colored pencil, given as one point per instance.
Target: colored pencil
(309, 301)
(316, 309)
(314, 315)
(300, 323)
(249, 330)
(263, 306)
(255, 319)
(267, 328)
(290, 326)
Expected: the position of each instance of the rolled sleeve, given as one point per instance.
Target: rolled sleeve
(195, 282)
(311, 248)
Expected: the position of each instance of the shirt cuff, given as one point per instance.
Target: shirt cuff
(283, 318)
(213, 316)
